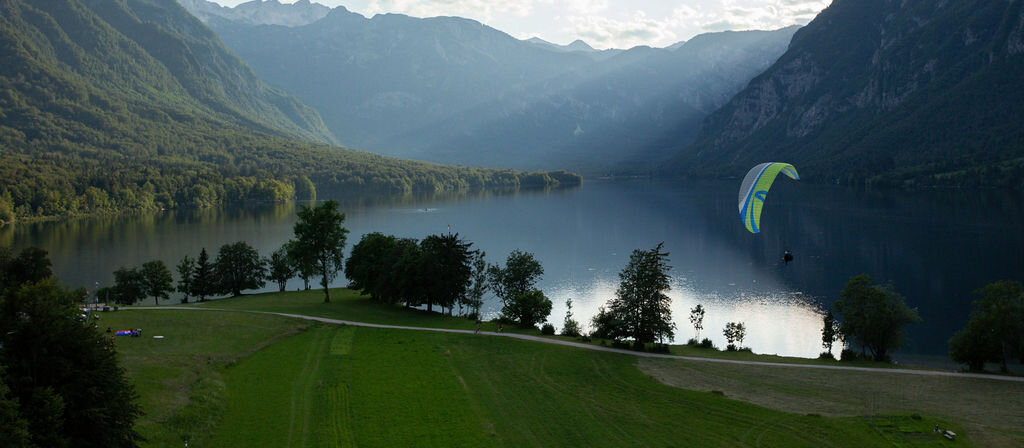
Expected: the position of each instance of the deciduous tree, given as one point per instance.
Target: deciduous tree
(518, 277)
(186, 275)
(873, 316)
(995, 332)
(157, 280)
(239, 267)
(319, 233)
(281, 268)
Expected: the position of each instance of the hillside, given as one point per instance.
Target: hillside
(883, 91)
(109, 106)
(452, 90)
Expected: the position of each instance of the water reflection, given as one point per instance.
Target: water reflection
(935, 246)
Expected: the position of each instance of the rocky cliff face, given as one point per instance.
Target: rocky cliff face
(867, 88)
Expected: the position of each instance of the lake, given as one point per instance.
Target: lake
(934, 246)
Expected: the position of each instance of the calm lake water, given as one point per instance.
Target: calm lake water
(935, 246)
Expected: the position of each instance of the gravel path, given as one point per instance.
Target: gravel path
(610, 349)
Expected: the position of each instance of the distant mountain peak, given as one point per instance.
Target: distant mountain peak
(580, 45)
(260, 12)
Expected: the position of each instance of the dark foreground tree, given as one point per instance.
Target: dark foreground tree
(995, 332)
(239, 267)
(319, 234)
(873, 316)
(61, 374)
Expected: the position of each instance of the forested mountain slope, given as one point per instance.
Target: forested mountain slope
(884, 91)
(113, 105)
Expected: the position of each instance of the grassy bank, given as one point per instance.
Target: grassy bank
(178, 377)
(257, 380)
(347, 386)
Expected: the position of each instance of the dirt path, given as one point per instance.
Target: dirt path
(610, 349)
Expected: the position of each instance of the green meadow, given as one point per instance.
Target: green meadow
(234, 378)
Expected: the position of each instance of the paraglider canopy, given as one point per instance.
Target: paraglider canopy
(754, 189)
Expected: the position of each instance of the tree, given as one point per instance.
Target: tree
(446, 265)
(157, 280)
(641, 304)
(281, 268)
(570, 327)
(30, 266)
(474, 298)
(319, 234)
(519, 275)
(529, 308)
(873, 316)
(995, 331)
(829, 332)
(205, 282)
(697, 319)
(370, 261)
(734, 333)
(186, 274)
(239, 267)
(129, 286)
(63, 376)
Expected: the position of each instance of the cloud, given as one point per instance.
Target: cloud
(764, 14)
(482, 10)
(603, 32)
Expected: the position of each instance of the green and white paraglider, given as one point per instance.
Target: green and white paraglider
(754, 189)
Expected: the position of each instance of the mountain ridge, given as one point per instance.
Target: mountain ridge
(881, 91)
(452, 90)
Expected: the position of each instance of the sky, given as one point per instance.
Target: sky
(601, 23)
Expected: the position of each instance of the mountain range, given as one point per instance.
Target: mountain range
(452, 90)
(898, 92)
(135, 104)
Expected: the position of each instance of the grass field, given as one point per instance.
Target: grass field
(243, 379)
(179, 377)
(349, 305)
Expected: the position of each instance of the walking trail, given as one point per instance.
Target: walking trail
(608, 349)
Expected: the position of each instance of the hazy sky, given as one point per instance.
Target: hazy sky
(601, 23)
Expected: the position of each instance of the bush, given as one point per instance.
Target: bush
(730, 348)
(693, 342)
(659, 348)
(584, 338)
(827, 355)
(547, 330)
(849, 355)
(706, 343)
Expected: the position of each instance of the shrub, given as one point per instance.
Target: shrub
(693, 342)
(848, 355)
(827, 355)
(730, 348)
(706, 343)
(659, 348)
(547, 329)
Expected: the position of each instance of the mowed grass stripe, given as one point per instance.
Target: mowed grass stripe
(262, 403)
(407, 388)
